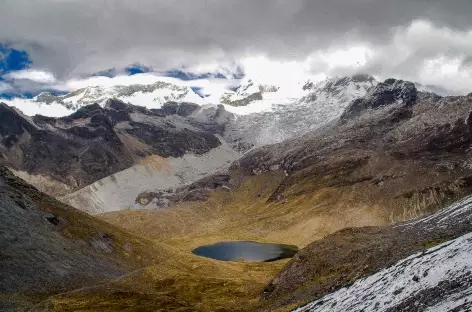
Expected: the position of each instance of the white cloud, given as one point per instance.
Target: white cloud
(420, 51)
(39, 76)
(145, 78)
(350, 57)
(80, 37)
(275, 72)
(426, 53)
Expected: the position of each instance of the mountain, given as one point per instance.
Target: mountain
(89, 158)
(266, 114)
(346, 193)
(152, 95)
(101, 149)
(249, 91)
(148, 91)
(359, 190)
(176, 144)
(401, 150)
(285, 115)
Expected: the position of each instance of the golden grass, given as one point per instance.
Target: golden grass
(177, 280)
(185, 282)
(130, 247)
(245, 214)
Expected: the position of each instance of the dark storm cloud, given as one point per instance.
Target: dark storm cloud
(71, 36)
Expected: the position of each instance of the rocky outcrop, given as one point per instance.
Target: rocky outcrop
(197, 191)
(248, 92)
(387, 93)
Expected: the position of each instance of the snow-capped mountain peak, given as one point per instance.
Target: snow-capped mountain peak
(353, 86)
(282, 115)
(149, 95)
(248, 92)
(148, 91)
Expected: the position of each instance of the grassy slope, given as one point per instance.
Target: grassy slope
(246, 214)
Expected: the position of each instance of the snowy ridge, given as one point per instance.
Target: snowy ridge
(150, 96)
(249, 91)
(437, 279)
(411, 279)
(31, 108)
(265, 114)
(144, 90)
(279, 116)
(151, 91)
(252, 97)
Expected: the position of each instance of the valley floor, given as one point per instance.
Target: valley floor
(185, 282)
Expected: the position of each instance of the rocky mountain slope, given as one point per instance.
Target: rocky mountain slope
(400, 150)
(112, 156)
(63, 155)
(48, 247)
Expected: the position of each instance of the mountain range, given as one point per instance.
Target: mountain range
(369, 179)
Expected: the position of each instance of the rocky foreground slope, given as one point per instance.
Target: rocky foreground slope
(48, 247)
(435, 280)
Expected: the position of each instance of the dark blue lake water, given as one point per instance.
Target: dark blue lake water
(247, 251)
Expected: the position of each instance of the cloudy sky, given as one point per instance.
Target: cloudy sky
(49, 43)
